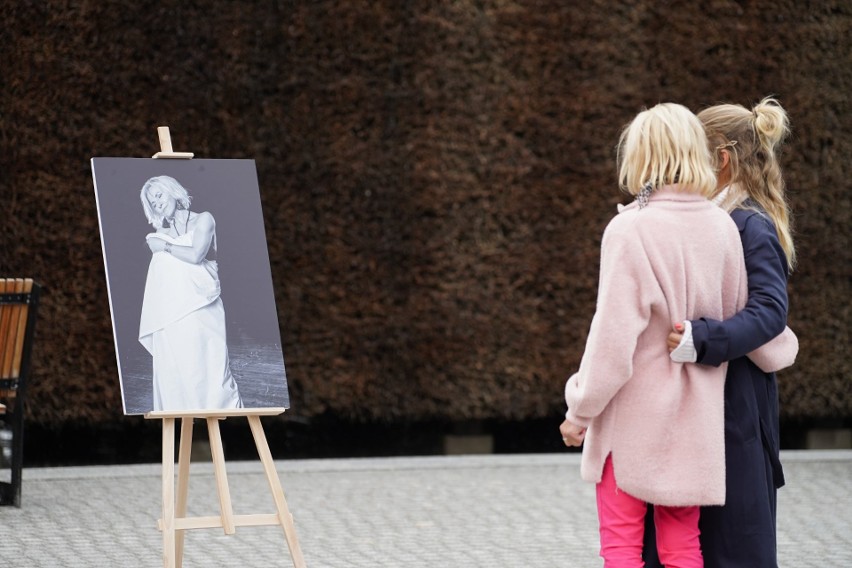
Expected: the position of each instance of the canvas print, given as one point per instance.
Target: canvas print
(190, 286)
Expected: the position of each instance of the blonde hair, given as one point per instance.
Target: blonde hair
(665, 145)
(171, 187)
(751, 138)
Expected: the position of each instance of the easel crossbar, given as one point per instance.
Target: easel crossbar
(191, 523)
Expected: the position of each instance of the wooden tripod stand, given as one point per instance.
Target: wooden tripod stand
(174, 520)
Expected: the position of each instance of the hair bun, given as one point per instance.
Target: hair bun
(770, 121)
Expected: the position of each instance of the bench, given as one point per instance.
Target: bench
(18, 306)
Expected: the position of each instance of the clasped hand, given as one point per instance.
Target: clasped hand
(156, 245)
(675, 337)
(572, 434)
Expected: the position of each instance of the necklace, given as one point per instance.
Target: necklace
(171, 223)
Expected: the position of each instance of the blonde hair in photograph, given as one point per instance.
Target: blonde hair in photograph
(665, 145)
(752, 138)
(171, 187)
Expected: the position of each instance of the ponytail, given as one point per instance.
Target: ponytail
(772, 127)
(752, 139)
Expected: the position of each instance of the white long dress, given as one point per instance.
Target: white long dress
(183, 327)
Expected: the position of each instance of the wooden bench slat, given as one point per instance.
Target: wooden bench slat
(26, 286)
(13, 324)
(6, 286)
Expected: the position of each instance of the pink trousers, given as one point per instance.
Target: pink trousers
(622, 527)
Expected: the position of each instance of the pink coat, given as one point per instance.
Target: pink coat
(679, 258)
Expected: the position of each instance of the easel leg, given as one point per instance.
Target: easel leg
(221, 476)
(169, 493)
(284, 516)
(184, 453)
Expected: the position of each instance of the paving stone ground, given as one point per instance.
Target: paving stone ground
(448, 511)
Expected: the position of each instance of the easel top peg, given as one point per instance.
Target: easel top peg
(166, 146)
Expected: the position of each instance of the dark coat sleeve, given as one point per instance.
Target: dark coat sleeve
(765, 313)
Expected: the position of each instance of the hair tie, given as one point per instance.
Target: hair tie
(644, 194)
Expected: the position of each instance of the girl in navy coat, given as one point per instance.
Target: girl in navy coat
(742, 533)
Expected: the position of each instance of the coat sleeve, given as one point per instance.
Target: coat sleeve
(778, 354)
(627, 293)
(765, 314)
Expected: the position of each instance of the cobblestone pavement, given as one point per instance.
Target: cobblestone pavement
(449, 511)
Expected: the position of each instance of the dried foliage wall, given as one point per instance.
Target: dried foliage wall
(435, 178)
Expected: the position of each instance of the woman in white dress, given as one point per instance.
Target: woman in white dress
(183, 319)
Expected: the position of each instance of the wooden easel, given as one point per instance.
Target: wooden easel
(174, 520)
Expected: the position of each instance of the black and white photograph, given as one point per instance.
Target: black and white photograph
(190, 286)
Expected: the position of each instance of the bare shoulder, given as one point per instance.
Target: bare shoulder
(204, 221)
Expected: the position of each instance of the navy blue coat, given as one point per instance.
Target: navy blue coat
(742, 533)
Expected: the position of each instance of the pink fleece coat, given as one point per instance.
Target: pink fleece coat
(680, 258)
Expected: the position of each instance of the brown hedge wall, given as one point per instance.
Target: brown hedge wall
(435, 178)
